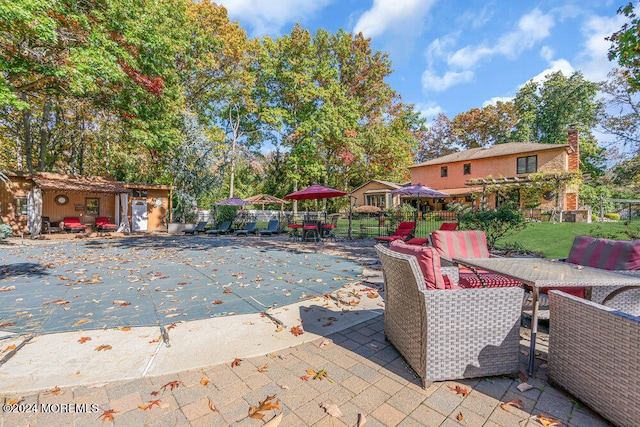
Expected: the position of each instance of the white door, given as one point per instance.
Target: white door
(139, 215)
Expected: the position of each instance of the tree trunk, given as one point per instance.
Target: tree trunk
(27, 137)
(44, 135)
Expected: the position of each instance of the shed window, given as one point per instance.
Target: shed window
(92, 206)
(444, 171)
(527, 164)
(140, 193)
(21, 205)
(467, 168)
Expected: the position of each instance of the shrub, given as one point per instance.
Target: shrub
(5, 231)
(594, 217)
(497, 223)
(613, 216)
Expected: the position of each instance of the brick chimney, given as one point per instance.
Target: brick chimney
(573, 164)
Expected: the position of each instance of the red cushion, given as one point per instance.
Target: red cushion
(573, 290)
(449, 226)
(605, 253)
(460, 244)
(419, 241)
(388, 238)
(491, 280)
(73, 222)
(428, 260)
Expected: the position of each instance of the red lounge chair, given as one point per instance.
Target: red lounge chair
(449, 226)
(404, 231)
(425, 241)
(72, 225)
(103, 223)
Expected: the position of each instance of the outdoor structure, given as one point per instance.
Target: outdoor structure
(29, 197)
(491, 174)
(376, 193)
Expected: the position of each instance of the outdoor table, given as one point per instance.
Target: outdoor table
(540, 272)
(294, 229)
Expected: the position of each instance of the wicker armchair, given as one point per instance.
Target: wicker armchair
(449, 334)
(593, 354)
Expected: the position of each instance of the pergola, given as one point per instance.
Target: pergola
(265, 199)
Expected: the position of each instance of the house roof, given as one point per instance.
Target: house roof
(496, 150)
(79, 184)
(392, 185)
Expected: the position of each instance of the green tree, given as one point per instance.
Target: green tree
(438, 141)
(481, 127)
(625, 46)
(504, 221)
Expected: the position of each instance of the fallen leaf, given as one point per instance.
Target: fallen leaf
(548, 422)
(7, 288)
(9, 348)
(171, 385)
(331, 409)
(361, 420)
(325, 343)
(524, 387)
(236, 362)
(211, 407)
(372, 295)
(227, 291)
(2, 325)
(81, 322)
(155, 393)
(104, 347)
(460, 390)
(297, 330)
(459, 416)
(14, 401)
(107, 415)
(83, 340)
(151, 404)
(305, 378)
(263, 368)
(55, 391)
(279, 329)
(217, 302)
(265, 405)
(516, 403)
(156, 340)
(522, 377)
(124, 328)
(284, 387)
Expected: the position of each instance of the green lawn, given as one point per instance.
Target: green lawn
(555, 240)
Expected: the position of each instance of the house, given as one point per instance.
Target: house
(534, 175)
(376, 193)
(29, 197)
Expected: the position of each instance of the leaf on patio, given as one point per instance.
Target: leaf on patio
(14, 401)
(305, 378)
(55, 391)
(104, 347)
(372, 295)
(265, 405)
(124, 328)
(5, 324)
(460, 390)
(325, 343)
(548, 422)
(516, 403)
(9, 348)
(279, 328)
(227, 291)
(212, 408)
(83, 340)
(155, 393)
(171, 385)
(156, 340)
(263, 368)
(205, 380)
(524, 387)
(459, 417)
(331, 409)
(171, 326)
(217, 302)
(81, 322)
(107, 415)
(151, 404)
(361, 420)
(297, 330)
(236, 362)
(522, 377)
(7, 288)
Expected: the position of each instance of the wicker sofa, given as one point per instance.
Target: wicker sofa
(593, 354)
(447, 334)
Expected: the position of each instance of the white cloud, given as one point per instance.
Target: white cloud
(496, 99)
(268, 17)
(428, 110)
(431, 81)
(547, 53)
(558, 65)
(469, 56)
(393, 15)
(593, 59)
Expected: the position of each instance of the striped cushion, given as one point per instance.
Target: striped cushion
(471, 280)
(460, 244)
(605, 253)
(428, 260)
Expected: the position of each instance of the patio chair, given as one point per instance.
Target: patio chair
(447, 334)
(593, 354)
(468, 244)
(421, 241)
(200, 228)
(225, 227)
(249, 229)
(73, 225)
(50, 227)
(403, 232)
(272, 228)
(103, 223)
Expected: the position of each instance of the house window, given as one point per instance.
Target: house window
(92, 206)
(467, 168)
(140, 193)
(444, 171)
(527, 164)
(375, 200)
(21, 205)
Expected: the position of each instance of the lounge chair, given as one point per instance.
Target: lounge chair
(272, 228)
(200, 228)
(403, 232)
(225, 227)
(468, 244)
(103, 223)
(425, 241)
(249, 229)
(447, 333)
(72, 225)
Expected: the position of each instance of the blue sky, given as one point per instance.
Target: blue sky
(449, 55)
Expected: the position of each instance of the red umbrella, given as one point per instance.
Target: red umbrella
(314, 192)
